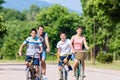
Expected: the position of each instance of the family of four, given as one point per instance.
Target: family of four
(38, 44)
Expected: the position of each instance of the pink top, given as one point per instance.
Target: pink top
(78, 42)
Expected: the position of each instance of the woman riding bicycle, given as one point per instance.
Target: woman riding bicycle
(77, 41)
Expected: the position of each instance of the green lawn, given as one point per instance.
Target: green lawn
(114, 66)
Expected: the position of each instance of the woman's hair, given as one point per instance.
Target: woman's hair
(41, 26)
(79, 27)
(33, 29)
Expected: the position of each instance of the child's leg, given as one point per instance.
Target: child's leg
(27, 60)
(36, 63)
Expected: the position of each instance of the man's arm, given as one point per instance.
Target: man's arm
(47, 44)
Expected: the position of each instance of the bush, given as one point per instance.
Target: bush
(105, 58)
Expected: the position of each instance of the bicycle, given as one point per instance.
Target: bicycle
(79, 71)
(31, 72)
(64, 71)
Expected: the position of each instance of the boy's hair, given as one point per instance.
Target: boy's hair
(62, 32)
(79, 27)
(33, 29)
(41, 26)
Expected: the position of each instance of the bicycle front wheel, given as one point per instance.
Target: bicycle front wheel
(29, 74)
(64, 74)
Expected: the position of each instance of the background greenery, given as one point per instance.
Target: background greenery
(99, 16)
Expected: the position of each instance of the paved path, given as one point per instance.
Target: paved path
(17, 72)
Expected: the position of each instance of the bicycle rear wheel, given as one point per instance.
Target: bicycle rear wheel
(40, 72)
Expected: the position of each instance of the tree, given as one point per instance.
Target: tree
(55, 19)
(12, 14)
(16, 34)
(104, 15)
(32, 12)
(1, 2)
(111, 8)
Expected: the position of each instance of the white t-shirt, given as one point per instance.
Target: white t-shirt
(64, 47)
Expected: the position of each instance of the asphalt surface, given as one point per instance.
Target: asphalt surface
(17, 72)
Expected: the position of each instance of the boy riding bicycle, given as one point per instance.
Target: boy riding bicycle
(64, 49)
(34, 48)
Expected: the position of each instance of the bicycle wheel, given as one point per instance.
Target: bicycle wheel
(77, 73)
(29, 74)
(81, 71)
(64, 74)
(40, 72)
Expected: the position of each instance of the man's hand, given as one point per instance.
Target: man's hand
(48, 50)
(20, 53)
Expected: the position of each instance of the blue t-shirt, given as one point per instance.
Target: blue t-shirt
(33, 46)
(42, 39)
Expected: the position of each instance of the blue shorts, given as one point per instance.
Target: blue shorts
(73, 57)
(62, 58)
(35, 60)
(43, 55)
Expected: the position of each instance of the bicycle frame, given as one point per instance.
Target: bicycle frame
(79, 70)
(64, 72)
(30, 72)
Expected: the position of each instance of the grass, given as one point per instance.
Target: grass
(114, 66)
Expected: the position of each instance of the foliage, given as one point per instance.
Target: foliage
(32, 12)
(111, 8)
(55, 19)
(12, 14)
(1, 2)
(16, 34)
(96, 20)
(105, 58)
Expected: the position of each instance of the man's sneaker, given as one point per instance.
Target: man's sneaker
(70, 68)
(37, 78)
(83, 76)
(44, 77)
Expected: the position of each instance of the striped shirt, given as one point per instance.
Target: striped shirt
(33, 46)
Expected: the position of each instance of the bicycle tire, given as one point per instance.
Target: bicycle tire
(29, 74)
(81, 72)
(40, 72)
(64, 74)
(77, 73)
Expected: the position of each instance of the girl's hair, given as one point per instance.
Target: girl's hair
(41, 26)
(33, 29)
(79, 27)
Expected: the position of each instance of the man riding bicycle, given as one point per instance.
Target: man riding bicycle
(43, 36)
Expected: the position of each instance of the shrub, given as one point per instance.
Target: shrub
(105, 58)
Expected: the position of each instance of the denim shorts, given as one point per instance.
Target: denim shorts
(35, 60)
(43, 55)
(62, 58)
